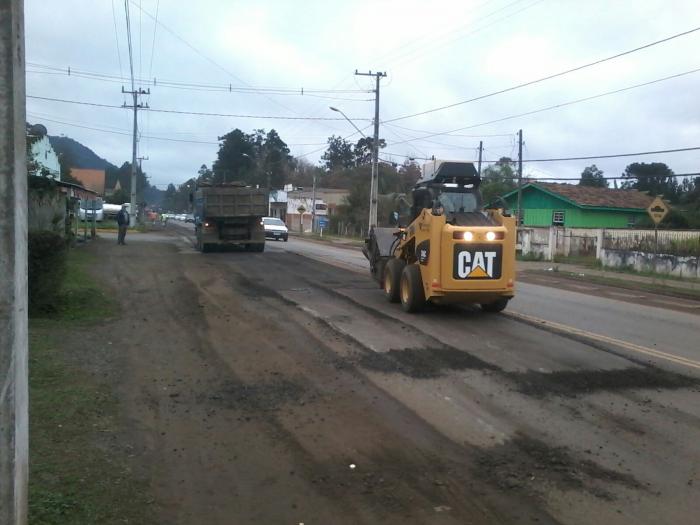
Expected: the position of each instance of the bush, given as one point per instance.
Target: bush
(47, 268)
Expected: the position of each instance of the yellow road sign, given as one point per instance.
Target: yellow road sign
(657, 210)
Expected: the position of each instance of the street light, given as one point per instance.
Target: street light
(346, 118)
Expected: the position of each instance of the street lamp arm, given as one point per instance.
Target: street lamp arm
(346, 118)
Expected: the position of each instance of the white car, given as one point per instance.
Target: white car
(275, 229)
(90, 210)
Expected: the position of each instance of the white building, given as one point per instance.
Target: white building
(300, 211)
(43, 154)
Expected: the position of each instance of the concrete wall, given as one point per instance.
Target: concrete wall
(648, 262)
(47, 211)
(586, 241)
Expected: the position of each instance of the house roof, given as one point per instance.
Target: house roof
(589, 196)
(91, 179)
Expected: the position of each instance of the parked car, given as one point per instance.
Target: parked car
(275, 228)
(189, 218)
(90, 209)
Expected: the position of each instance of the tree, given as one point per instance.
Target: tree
(273, 160)
(656, 178)
(235, 158)
(410, 174)
(498, 179)
(363, 150)
(339, 154)
(118, 197)
(592, 176)
(204, 174)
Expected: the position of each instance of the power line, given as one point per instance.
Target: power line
(555, 106)
(128, 39)
(527, 179)
(450, 134)
(119, 131)
(563, 159)
(591, 157)
(73, 72)
(198, 113)
(153, 44)
(549, 77)
(116, 39)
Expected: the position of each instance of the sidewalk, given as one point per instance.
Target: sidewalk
(583, 272)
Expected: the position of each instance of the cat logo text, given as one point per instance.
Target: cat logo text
(477, 262)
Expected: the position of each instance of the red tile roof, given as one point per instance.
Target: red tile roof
(92, 179)
(599, 197)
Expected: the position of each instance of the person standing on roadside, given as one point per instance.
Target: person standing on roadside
(123, 223)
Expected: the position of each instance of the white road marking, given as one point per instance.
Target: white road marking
(605, 339)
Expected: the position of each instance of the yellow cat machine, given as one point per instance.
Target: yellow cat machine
(452, 250)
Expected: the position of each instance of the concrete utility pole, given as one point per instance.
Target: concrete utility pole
(481, 150)
(14, 465)
(313, 203)
(520, 176)
(135, 106)
(374, 184)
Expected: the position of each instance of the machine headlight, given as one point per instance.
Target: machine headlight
(468, 236)
(490, 236)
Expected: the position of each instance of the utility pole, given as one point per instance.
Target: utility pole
(481, 149)
(135, 106)
(14, 444)
(313, 203)
(140, 159)
(374, 183)
(520, 177)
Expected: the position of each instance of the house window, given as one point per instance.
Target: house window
(631, 221)
(558, 218)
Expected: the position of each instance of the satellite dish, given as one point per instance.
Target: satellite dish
(39, 130)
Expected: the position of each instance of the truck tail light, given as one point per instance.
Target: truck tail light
(495, 236)
(463, 236)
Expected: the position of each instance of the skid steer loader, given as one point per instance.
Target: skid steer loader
(452, 250)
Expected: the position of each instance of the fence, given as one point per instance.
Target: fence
(683, 243)
(672, 252)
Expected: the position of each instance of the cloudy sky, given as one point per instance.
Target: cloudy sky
(434, 53)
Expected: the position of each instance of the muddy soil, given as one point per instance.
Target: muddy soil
(240, 410)
(269, 388)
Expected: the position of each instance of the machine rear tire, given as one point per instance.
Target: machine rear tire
(411, 289)
(497, 306)
(391, 283)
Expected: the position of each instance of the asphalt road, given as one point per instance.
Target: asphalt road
(449, 416)
(657, 328)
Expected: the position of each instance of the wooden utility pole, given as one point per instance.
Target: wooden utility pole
(14, 465)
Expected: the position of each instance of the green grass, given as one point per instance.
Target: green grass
(629, 270)
(79, 472)
(685, 293)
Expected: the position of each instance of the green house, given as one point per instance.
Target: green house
(573, 206)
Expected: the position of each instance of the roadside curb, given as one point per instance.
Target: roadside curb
(613, 282)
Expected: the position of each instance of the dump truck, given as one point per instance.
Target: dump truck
(451, 249)
(230, 214)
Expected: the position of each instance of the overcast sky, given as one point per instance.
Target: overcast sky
(434, 53)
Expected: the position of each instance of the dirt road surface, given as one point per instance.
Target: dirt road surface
(274, 388)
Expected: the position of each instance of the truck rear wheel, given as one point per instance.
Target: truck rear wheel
(412, 294)
(497, 306)
(255, 247)
(392, 279)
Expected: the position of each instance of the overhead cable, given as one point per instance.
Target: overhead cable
(548, 77)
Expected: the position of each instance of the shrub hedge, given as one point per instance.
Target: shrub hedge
(47, 267)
